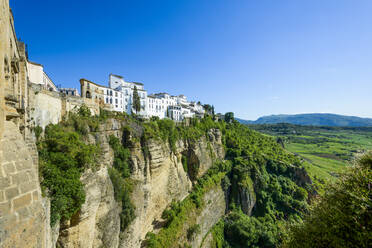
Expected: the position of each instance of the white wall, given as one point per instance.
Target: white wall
(35, 73)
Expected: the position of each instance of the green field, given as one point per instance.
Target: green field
(326, 151)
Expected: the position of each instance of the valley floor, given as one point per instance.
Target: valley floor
(326, 151)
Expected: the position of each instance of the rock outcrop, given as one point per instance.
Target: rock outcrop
(214, 208)
(161, 179)
(157, 171)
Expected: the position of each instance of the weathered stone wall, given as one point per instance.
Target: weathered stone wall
(13, 71)
(49, 107)
(46, 107)
(23, 220)
(4, 15)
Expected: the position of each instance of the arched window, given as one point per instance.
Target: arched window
(88, 95)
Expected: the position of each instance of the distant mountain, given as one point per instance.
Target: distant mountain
(313, 120)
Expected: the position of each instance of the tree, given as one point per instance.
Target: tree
(208, 108)
(136, 100)
(342, 217)
(229, 117)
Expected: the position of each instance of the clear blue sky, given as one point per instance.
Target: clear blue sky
(251, 57)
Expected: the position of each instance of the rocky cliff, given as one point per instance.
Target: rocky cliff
(159, 177)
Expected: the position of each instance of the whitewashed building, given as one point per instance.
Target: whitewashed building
(36, 75)
(126, 89)
(119, 97)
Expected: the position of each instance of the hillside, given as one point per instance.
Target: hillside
(314, 120)
(326, 151)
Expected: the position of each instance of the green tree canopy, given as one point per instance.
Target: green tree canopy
(229, 117)
(342, 217)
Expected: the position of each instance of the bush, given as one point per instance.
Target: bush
(192, 231)
(342, 217)
(63, 157)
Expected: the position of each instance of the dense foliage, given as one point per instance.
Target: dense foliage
(253, 162)
(63, 157)
(265, 169)
(343, 215)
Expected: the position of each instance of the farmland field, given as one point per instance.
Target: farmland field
(326, 151)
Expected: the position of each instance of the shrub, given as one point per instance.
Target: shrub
(192, 231)
(63, 157)
(342, 216)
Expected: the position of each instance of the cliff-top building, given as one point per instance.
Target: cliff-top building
(119, 97)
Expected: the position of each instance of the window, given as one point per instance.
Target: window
(116, 101)
(110, 101)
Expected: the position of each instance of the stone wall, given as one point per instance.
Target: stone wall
(23, 219)
(13, 79)
(49, 107)
(46, 107)
(4, 16)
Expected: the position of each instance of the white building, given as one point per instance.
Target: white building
(104, 96)
(119, 97)
(36, 75)
(126, 89)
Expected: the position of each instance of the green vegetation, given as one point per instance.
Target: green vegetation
(342, 216)
(119, 175)
(167, 130)
(63, 156)
(136, 100)
(262, 166)
(314, 120)
(254, 162)
(192, 231)
(181, 214)
(229, 117)
(325, 151)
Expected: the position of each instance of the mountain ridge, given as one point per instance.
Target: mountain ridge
(313, 119)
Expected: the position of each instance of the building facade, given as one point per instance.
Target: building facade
(119, 96)
(127, 89)
(36, 75)
(69, 91)
(13, 77)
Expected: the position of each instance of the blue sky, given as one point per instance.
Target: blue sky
(251, 57)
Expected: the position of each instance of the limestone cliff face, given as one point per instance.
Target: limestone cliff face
(161, 178)
(157, 171)
(247, 199)
(97, 224)
(214, 208)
